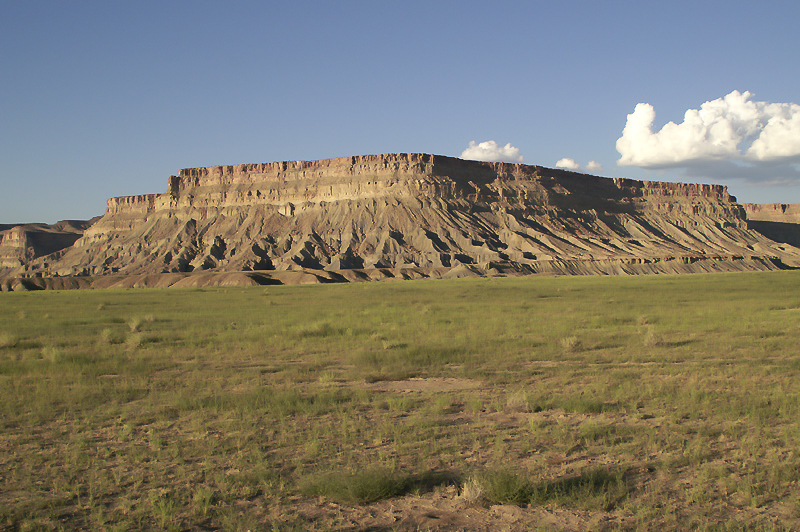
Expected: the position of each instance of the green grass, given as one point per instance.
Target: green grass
(597, 489)
(667, 402)
(369, 485)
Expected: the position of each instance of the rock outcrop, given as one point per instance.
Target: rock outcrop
(411, 215)
(20, 244)
(776, 221)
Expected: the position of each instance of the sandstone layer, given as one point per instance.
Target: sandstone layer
(405, 215)
(20, 244)
(776, 221)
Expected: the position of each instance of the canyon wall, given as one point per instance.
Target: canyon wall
(415, 212)
(777, 221)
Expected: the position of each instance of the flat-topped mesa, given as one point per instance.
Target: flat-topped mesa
(412, 210)
(410, 164)
(362, 177)
(421, 175)
(773, 212)
(384, 165)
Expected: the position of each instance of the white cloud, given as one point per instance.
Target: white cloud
(594, 166)
(492, 152)
(568, 163)
(730, 129)
(572, 164)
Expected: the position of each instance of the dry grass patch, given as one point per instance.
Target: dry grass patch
(8, 340)
(230, 414)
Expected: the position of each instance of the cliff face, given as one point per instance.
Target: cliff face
(21, 244)
(773, 212)
(412, 212)
(777, 221)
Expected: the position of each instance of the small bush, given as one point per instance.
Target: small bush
(319, 329)
(570, 344)
(135, 324)
(518, 401)
(109, 336)
(594, 488)
(504, 487)
(472, 492)
(8, 340)
(652, 339)
(134, 340)
(53, 354)
(593, 431)
(203, 498)
(360, 487)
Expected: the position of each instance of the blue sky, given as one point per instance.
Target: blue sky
(101, 99)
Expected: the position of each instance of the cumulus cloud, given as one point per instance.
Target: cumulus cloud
(492, 152)
(572, 164)
(594, 166)
(568, 163)
(730, 129)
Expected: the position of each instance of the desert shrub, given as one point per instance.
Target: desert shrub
(584, 404)
(570, 343)
(319, 329)
(8, 340)
(518, 401)
(203, 498)
(652, 339)
(360, 487)
(135, 324)
(52, 353)
(593, 488)
(501, 486)
(134, 340)
(472, 492)
(108, 336)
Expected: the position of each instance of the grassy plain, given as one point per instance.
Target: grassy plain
(541, 403)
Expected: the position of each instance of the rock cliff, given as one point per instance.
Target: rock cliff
(21, 244)
(776, 221)
(412, 215)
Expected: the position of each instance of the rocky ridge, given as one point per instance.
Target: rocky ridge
(409, 216)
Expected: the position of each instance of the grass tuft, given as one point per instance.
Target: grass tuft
(135, 324)
(134, 341)
(570, 344)
(8, 340)
(501, 486)
(359, 487)
(652, 339)
(471, 493)
(52, 354)
(108, 337)
(594, 489)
